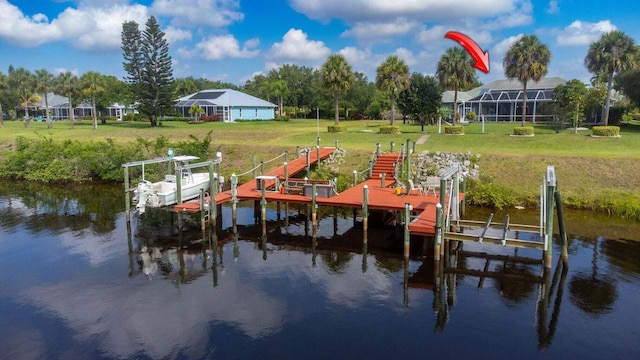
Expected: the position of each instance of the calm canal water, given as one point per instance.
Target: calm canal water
(71, 289)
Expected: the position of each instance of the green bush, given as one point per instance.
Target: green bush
(454, 130)
(129, 117)
(46, 160)
(484, 192)
(471, 116)
(388, 129)
(281, 118)
(606, 131)
(336, 128)
(524, 131)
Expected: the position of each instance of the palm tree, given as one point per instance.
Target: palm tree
(185, 86)
(23, 82)
(392, 76)
(196, 111)
(67, 84)
(44, 80)
(92, 84)
(455, 72)
(336, 76)
(615, 51)
(279, 88)
(527, 59)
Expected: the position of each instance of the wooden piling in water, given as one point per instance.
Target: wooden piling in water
(551, 188)
(365, 208)
(314, 206)
(437, 241)
(407, 234)
(263, 208)
(563, 232)
(234, 197)
(127, 199)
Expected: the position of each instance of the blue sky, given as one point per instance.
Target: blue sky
(232, 40)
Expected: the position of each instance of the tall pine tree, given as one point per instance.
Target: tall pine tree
(148, 65)
(132, 53)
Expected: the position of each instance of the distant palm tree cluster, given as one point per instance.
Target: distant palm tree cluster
(299, 89)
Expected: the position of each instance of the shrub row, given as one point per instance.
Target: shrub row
(606, 131)
(209, 118)
(454, 130)
(45, 160)
(336, 128)
(524, 130)
(388, 129)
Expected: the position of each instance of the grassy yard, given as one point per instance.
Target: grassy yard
(590, 170)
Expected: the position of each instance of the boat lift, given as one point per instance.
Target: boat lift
(214, 171)
(549, 196)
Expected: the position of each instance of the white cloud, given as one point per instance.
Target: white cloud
(355, 56)
(295, 46)
(503, 46)
(553, 7)
(425, 10)
(214, 13)
(435, 33)
(406, 55)
(363, 61)
(85, 27)
(497, 53)
(371, 30)
(175, 35)
(222, 47)
(521, 16)
(583, 33)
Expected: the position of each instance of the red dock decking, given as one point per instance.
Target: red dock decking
(380, 198)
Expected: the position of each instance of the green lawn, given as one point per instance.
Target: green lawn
(591, 171)
(361, 135)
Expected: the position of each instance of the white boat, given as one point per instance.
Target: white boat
(163, 193)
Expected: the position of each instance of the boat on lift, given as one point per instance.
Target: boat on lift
(164, 193)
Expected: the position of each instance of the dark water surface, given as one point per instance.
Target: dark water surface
(71, 289)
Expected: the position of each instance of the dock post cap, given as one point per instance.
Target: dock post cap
(438, 205)
(366, 186)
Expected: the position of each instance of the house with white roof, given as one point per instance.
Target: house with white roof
(229, 105)
(501, 100)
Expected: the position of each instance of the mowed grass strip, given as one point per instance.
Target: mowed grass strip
(589, 170)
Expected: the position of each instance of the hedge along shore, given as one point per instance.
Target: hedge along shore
(601, 175)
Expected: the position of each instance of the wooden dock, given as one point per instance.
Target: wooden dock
(379, 197)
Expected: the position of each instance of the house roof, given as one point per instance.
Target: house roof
(223, 97)
(503, 85)
(53, 100)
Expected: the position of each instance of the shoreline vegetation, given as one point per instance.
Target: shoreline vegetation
(596, 174)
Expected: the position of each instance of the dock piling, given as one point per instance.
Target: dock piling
(234, 197)
(314, 207)
(438, 238)
(407, 236)
(551, 188)
(365, 208)
(127, 199)
(563, 232)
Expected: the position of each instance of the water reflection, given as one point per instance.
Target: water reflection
(594, 292)
(244, 290)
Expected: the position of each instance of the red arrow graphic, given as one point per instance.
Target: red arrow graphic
(481, 58)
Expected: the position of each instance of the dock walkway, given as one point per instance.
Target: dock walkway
(379, 198)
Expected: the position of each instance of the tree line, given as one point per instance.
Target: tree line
(334, 89)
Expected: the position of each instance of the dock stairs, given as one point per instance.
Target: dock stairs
(385, 165)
